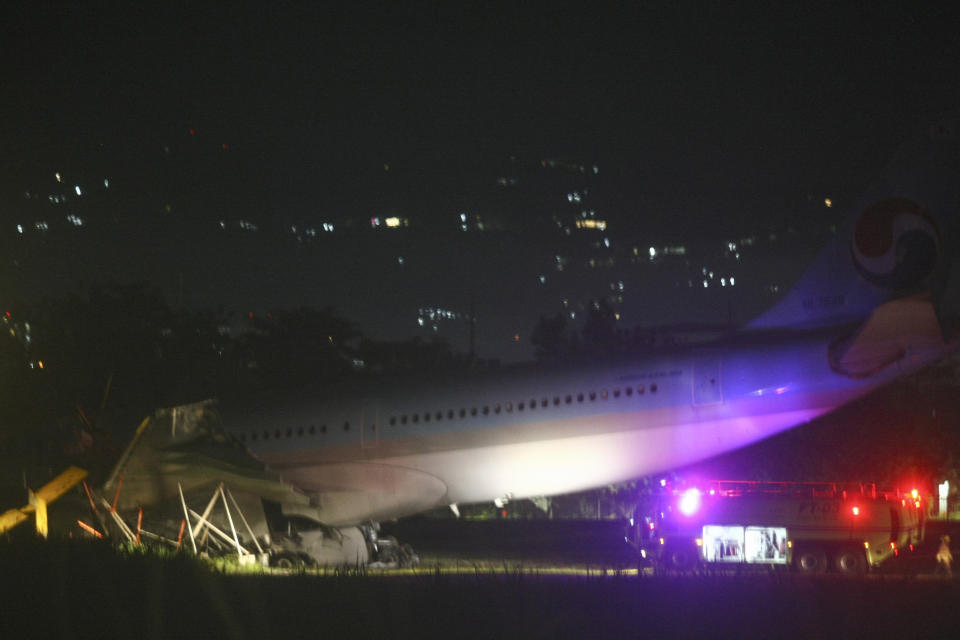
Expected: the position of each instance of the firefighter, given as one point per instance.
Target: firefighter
(944, 557)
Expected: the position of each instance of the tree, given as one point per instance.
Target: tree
(551, 338)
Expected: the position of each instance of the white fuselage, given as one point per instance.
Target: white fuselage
(396, 449)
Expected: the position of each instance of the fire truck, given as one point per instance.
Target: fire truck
(811, 527)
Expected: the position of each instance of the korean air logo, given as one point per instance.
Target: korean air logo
(896, 244)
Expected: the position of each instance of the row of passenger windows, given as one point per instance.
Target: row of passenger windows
(427, 416)
(312, 430)
(523, 405)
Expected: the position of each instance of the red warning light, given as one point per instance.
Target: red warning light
(193, 132)
(651, 526)
(8, 314)
(855, 511)
(224, 146)
(250, 315)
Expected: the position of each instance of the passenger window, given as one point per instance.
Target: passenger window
(568, 399)
(299, 432)
(253, 436)
(593, 396)
(289, 431)
(520, 407)
(579, 397)
(653, 388)
(544, 403)
(629, 391)
(426, 416)
(313, 429)
(556, 400)
(463, 413)
(486, 410)
(393, 420)
(403, 419)
(439, 415)
(616, 392)
(346, 426)
(323, 428)
(450, 414)
(473, 411)
(641, 389)
(276, 433)
(509, 407)
(266, 435)
(496, 408)
(603, 394)
(415, 418)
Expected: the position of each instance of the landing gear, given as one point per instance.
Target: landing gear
(386, 551)
(287, 561)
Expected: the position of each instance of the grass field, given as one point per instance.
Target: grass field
(89, 590)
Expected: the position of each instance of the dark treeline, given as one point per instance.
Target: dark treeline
(78, 374)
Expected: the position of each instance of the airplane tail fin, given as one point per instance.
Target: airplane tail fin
(896, 242)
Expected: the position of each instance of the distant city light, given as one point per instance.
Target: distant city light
(78, 190)
(463, 217)
(106, 183)
(606, 242)
(392, 221)
(828, 202)
(600, 225)
(653, 252)
(57, 175)
(400, 260)
(19, 228)
(543, 279)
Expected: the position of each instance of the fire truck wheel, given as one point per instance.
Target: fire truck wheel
(680, 559)
(850, 562)
(811, 560)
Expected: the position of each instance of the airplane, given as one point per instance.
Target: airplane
(862, 315)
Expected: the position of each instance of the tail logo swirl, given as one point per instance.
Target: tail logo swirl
(896, 244)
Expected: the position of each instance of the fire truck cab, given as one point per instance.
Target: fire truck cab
(812, 527)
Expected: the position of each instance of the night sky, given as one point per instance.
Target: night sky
(715, 100)
(695, 114)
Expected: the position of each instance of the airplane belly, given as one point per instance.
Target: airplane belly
(571, 464)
